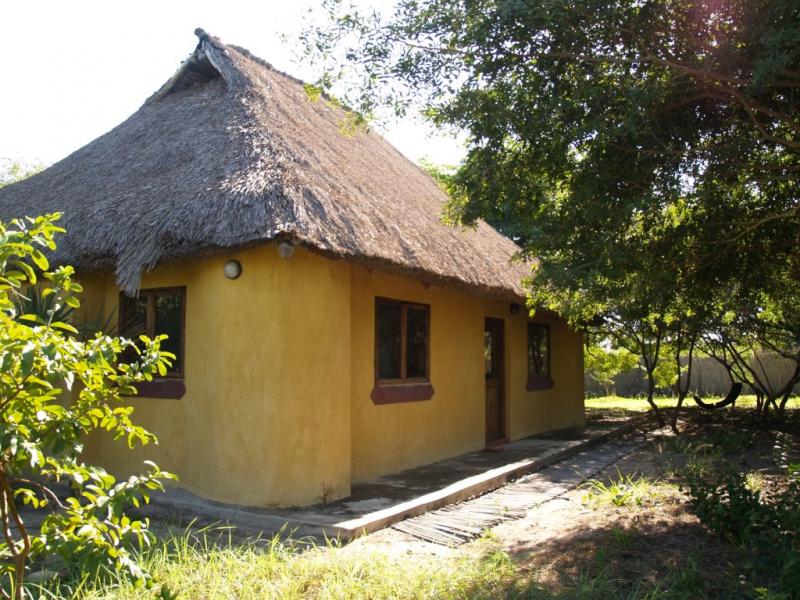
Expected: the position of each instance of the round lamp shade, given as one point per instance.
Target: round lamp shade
(286, 249)
(232, 269)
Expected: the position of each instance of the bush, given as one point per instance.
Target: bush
(626, 490)
(54, 389)
(765, 529)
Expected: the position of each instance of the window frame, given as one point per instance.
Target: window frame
(538, 381)
(404, 379)
(150, 321)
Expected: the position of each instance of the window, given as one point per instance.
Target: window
(402, 352)
(539, 357)
(157, 312)
(401, 341)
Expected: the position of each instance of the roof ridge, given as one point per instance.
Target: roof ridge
(209, 56)
(239, 156)
(216, 42)
(204, 36)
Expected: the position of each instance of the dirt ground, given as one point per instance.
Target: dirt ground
(656, 542)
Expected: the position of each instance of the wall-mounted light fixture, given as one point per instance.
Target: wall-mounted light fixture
(286, 249)
(513, 308)
(232, 269)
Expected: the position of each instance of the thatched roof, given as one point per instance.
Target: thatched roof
(231, 153)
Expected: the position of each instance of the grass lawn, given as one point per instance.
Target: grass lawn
(641, 405)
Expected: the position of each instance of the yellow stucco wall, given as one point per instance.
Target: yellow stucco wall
(279, 368)
(266, 415)
(560, 407)
(392, 437)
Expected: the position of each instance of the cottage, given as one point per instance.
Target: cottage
(329, 327)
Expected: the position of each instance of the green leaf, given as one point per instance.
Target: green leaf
(40, 260)
(32, 318)
(26, 362)
(64, 327)
(28, 271)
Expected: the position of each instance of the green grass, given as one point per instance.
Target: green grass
(195, 565)
(625, 490)
(632, 404)
(641, 405)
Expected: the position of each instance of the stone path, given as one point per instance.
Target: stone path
(460, 523)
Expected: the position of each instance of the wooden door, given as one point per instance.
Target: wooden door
(493, 361)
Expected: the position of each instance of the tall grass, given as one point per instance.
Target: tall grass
(206, 564)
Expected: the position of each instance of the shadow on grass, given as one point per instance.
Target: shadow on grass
(662, 559)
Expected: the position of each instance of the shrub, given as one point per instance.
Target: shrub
(765, 529)
(624, 491)
(54, 389)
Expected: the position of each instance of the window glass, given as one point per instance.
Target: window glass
(416, 343)
(388, 332)
(488, 353)
(169, 321)
(401, 341)
(133, 317)
(538, 350)
(152, 313)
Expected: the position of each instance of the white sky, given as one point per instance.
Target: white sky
(75, 69)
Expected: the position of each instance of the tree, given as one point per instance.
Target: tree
(54, 390)
(603, 363)
(752, 328)
(647, 153)
(588, 113)
(12, 171)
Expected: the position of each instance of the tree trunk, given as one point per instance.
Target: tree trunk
(789, 388)
(683, 390)
(651, 388)
(9, 513)
(785, 399)
(674, 422)
(19, 575)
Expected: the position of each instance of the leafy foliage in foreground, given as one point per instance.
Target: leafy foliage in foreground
(764, 528)
(54, 390)
(756, 511)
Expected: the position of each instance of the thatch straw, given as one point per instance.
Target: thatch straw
(231, 153)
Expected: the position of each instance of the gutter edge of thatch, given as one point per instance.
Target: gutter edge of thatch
(106, 265)
(425, 278)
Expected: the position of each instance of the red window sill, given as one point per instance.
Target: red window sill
(170, 388)
(539, 383)
(393, 393)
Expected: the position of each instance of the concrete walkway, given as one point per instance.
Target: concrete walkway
(394, 498)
